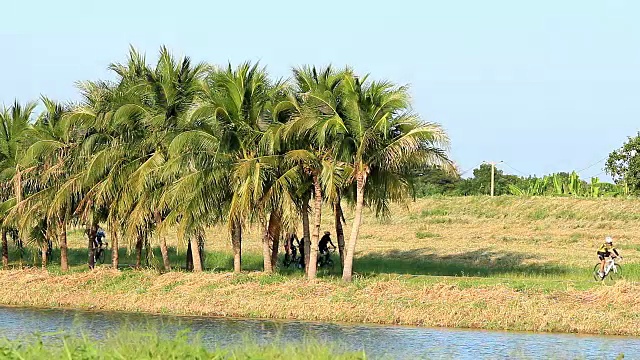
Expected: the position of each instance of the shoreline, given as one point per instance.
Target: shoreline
(341, 323)
(376, 301)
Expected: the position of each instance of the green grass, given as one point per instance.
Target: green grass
(447, 220)
(149, 345)
(539, 214)
(426, 235)
(483, 264)
(127, 281)
(434, 212)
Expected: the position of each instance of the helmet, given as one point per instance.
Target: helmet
(327, 233)
(608, 240)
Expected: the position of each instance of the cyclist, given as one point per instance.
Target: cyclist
(99, 236)
(323, 246)
(290, 248)
(301, 263)
(604, 252)
(294, 248)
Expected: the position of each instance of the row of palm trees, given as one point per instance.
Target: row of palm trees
(187, 146)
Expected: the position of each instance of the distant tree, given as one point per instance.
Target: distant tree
(623, 164)
(433, 180)
(480, 184)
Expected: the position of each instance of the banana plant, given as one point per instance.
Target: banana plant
(557, 184)
(541, 185)
(535, 187)
(575, 187)
(594, 189)
(514, 190)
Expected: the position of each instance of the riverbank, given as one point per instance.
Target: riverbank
(492, 303)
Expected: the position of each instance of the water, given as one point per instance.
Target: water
(396, 342)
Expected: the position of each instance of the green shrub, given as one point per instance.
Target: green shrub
(426, 235)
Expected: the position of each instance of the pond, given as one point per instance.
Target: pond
(397, 342)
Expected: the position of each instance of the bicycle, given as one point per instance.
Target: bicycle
(325, 259)
(292, 259)
(100, 251)
(612, 270)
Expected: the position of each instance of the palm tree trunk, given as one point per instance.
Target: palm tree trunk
(266, 249)
(18, 193)
(19, 244)
(306, 231)
(201, 251)
(165, 253)
(189, 257)
(339, 218)
(274, 238)
(64, 249)
(5, 249)
(317, 212)
(347, 271)
(18, 186)
(163, 245)
(236, 242)
(43, 252)
(139, 252)
(91, 234)
(195, 248)
(115, 246)
(147, 250)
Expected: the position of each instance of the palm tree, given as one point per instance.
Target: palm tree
(236, 99)
(239, 114)
(14, 124)
(168, 92)
(109, 143)
(382, 139)
(318, 125)
(130, 124)
(52, 155)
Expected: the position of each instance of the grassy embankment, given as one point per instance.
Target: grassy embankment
(148, 345)
(501, 263)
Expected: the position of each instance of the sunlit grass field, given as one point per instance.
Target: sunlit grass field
(503, 237)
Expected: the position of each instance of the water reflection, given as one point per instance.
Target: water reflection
(389, 341)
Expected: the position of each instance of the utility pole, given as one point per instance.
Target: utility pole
(493, 176)
(493, 170)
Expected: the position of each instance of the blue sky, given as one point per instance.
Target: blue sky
(543, 85)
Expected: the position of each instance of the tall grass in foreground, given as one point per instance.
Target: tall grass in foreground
(149, 345)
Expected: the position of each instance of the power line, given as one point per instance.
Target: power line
(516, 170)
(578, 171)
(592, 165)
(525, 174)
(466, 171)
(598, 174)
